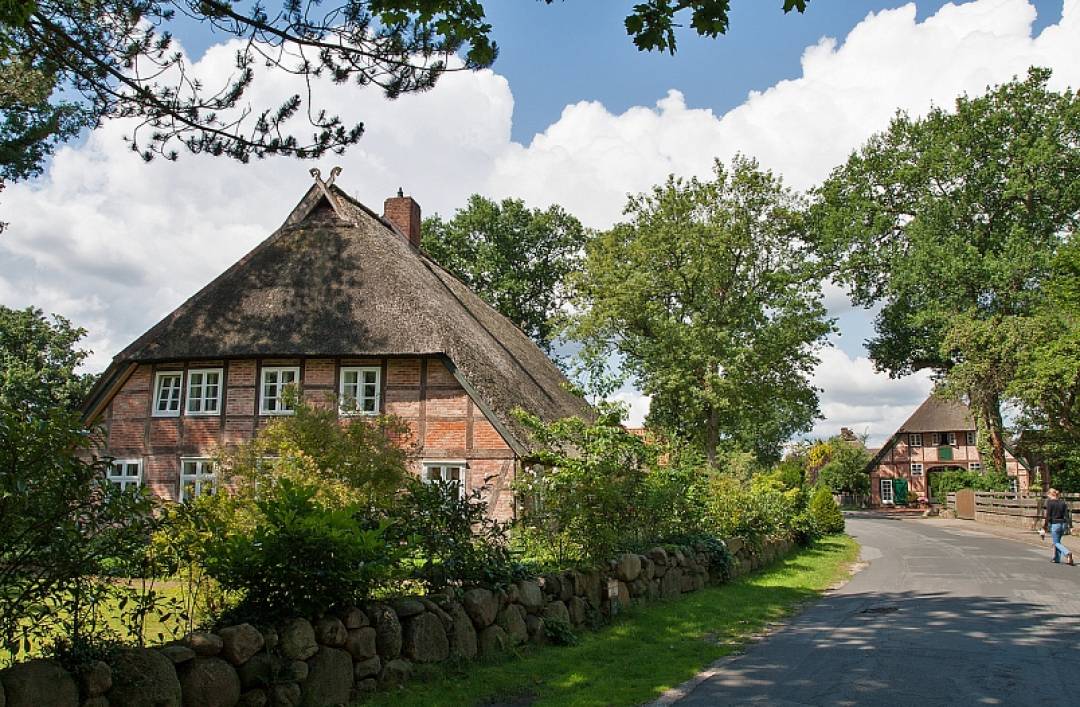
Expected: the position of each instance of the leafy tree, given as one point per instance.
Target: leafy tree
(517, 259)
(709, 296)
(63, 529)
(357, 462)
(583, 495)
(38, 359)
(1047, 380)
(65, 65)
(951, 222)
(845, 471)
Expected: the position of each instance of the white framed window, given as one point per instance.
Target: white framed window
(916, 469)
(1014, 484)
(970, 439)
(975, 466)
(203, 391)
(915, 439)
(886, 491)
(950, 437)
(125, 473)
(197, 477)
(167, 387)
(445, 471)
(273, 381)
(359, 390)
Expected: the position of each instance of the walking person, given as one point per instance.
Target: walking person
(1056, 521)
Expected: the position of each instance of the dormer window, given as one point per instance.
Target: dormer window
(359, 393)
(167, 386)
(272, 386)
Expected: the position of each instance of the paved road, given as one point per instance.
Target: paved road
(943, 615)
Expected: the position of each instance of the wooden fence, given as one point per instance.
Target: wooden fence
(1016, 510)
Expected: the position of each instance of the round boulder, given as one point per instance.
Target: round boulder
(39, 683)
(285, 694)
(628, 567)
(177, 653)
(239, 643)
(425, 639)
(512, 620)
(330, 631)
(95, 678)
(462, 632)
(405, 608)
(556, 610)
(204, 643)
(577, 608)
(482, 606)
(296, 640)
(330, 678)
(369, 668)
(142, 677)
(493, 641)
(354, 617)
(256, 672)
(395, 673)
(532, 597)
(360, 643)
(209, 682)
(387, 631)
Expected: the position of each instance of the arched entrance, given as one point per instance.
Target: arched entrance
(932, 471)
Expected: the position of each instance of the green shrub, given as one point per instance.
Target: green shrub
(751, 513)
(449, 538)
(559, 632)
(63, 530)
(804, 528)
(300, 557)
(826, 514)
(587, 499)
(942, 483)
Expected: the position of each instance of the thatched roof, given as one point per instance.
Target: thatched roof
(938, 414)
(339, 280)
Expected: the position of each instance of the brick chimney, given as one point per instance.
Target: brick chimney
(404, 213)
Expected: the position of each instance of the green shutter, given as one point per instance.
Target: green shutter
(944, 453)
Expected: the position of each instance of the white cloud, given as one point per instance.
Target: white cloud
(115, 243)
(858, 397)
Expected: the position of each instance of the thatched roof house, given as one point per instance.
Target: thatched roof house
(335, 290)
(939, 436)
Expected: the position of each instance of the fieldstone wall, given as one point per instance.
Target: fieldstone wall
(338, 658)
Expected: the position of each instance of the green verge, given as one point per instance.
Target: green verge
(645, 651)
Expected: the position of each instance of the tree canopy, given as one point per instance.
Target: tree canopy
(1047, 380)
(710, 297)
(38, 362)
(517, 259)
(951, 223)
(66, 65)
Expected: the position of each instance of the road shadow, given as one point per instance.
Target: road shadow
(907, 648)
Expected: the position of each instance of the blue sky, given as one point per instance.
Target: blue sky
(577, 50)
(571, 113)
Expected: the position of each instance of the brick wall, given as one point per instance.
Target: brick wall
(444, 423)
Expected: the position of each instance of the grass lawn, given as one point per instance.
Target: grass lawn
(646, 651)
(174, 626)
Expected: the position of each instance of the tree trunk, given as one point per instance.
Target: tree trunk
(712, 436)
(989, 413)
(997, 434)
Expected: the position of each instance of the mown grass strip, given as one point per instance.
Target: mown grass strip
(646, 651)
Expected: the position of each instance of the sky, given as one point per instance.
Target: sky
(571, 113)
